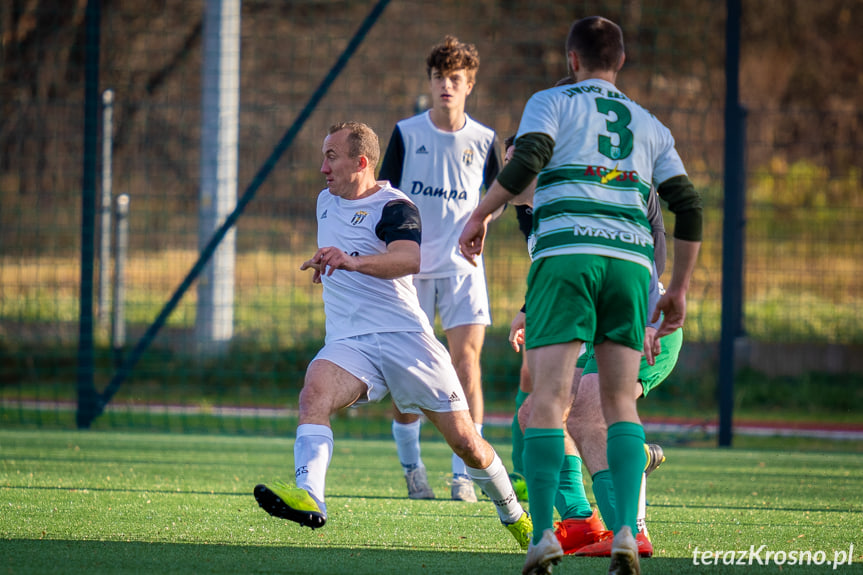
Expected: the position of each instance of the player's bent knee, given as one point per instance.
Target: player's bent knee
(470, 447)
(461, 445)
(475, 455)
(314, 408)
(587, 430)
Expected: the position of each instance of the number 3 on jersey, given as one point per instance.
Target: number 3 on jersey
(619, 127)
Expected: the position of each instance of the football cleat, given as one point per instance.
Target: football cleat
(291, 503)
(645, 546)
(519, 485)
(655, 457)
(573, 534)
(624, 554)
(543, 555)
(522, 529)
(462, 489)
(604, 545)
(418, 484)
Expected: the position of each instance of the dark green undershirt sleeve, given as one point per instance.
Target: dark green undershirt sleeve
(685, 203)
(532, 152)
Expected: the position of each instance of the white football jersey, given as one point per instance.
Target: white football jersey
(591, 198)
(356, 303)
(443, 173)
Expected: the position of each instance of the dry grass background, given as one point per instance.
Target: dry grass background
(800, 82)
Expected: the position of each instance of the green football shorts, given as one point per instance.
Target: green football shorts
(648, 375)
(586, 298)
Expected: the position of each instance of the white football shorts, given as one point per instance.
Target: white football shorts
(460, 299)
(414, 367)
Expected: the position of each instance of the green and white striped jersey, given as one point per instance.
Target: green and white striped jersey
(591, 198)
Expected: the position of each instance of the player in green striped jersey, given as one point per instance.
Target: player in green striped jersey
(596, 154)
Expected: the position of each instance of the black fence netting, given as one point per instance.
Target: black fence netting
(800, 85)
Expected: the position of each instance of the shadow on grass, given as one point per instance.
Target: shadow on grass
(246, 495)
(103, 557)
(386, 497)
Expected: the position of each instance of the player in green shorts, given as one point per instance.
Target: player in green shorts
(649, 376)
(588, 429)
(579, 525)
(596, 155)
(580, 530)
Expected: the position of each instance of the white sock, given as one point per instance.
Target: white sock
(313, 451)
(494, 481)
(641, 518)
(458, 466)
(407, 436)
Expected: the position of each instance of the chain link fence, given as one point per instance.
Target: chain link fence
(800, 84)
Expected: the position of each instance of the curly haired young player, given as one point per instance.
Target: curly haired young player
(443, 159)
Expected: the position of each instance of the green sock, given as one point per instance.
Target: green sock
(571, 500)
(603, 490)
(518, 436)
(626, 461)
(543, 458)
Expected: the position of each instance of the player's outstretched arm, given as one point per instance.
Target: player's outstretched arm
(529, 157)
(472, 239)
(402, 258)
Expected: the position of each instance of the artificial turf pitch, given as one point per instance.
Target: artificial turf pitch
(108, 502)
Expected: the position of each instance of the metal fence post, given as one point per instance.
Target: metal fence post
(105, 208)
(88, 399)
(214, 316)
(732, 226)
(121, 254)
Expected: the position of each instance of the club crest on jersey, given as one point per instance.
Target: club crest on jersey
(467, 157)
(358, 218)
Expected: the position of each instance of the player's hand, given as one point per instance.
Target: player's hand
(652, 345)
(470, 243)
(516, 331)
(327, 260)
(673, 307)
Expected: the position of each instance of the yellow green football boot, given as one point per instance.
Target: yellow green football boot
(521, 529)
(519, 485)
(291, 503)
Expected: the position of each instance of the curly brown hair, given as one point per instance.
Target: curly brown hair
(451, 55)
